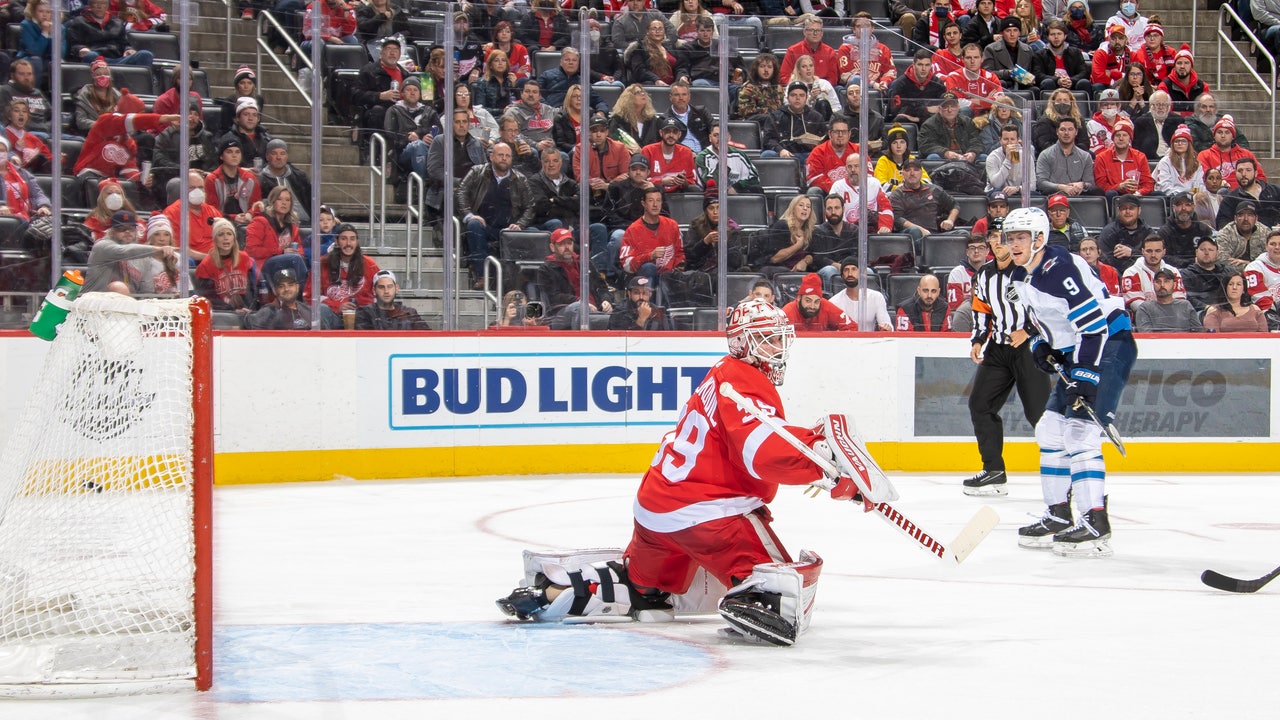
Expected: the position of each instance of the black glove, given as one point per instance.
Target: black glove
(1046, 357)
(1083, 384)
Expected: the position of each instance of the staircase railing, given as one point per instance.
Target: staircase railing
(414, 220)
(377, 185)
(266, 17)
(1226, 14)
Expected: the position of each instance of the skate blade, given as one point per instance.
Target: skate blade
(758, 624)
(1100, 548)
(1034, 543)
(986, 490)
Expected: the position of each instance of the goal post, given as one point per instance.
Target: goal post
(106, 506)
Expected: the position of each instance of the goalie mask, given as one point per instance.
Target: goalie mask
(1032, 220)
(761, 334)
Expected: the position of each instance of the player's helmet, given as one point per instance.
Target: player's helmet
(1032, 220)
(761, 334)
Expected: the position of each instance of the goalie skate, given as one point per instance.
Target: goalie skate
(757, 615)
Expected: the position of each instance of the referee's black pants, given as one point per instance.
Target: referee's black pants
(1004, 367)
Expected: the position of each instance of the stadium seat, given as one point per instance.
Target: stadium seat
(901, 288)
(944, 252)
(163, 46)
(971, 207)
(1090, 211)
(749, 210)
(544, 61)
(136, 78)
(738, 286)
(747, 133)
(199, 81)
(684, 206)
(786, 286)
(779, 174)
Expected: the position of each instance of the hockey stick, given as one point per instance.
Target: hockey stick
(1107, 429)
(978, 528)
(1230, 584)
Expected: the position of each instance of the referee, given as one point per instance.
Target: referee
(1000, 349)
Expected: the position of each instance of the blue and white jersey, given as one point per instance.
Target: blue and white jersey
(1071, 305)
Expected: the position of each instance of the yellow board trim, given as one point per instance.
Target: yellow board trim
(949, 457)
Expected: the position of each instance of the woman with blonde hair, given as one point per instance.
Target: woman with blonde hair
(111, 199)
(992, 123)
(1026, 14)
(786, 243)
(496, 89)
(226, 276)
(822, 96)
(566, 127)
(649, 60)
(1061, 103)
(1180, 170)
(273, 239)
(634, 115)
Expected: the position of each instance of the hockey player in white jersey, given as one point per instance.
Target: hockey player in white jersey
(1086, 331)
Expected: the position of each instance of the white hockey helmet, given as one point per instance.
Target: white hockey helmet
(1032, 220)
(761, 334)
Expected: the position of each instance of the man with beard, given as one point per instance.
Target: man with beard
(636, 312)
(1244, 238)
(1250, 187)
(826, 164)
(670, 162)
(877, 312)
(286, 313)
(849, 190)
(924, 311)
(22, 84)
(1183, 233)
(833, 240)
(1205, 279)
(559, 279)
(492, 197)
(999, 347)
(1110, 60)
(1137, 284)
(810, 311)
(1121, 239)
(1202, 122)
(1058, 64)
(1183, 85)
(1225, 153)
(1167, 313)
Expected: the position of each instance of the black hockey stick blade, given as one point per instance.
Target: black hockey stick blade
(1222, 582)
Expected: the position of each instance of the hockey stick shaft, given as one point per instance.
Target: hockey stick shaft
(974, 532)
(1107, 429)
(1230, 584)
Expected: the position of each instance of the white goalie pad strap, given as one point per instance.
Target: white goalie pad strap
(596, 593)
(555, 565)
(702, 597)
(850, 454)
(796, 584)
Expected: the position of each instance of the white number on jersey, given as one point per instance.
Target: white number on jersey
(680, 450)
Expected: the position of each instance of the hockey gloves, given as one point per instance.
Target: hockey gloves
(1082, 384)
(1045, 356)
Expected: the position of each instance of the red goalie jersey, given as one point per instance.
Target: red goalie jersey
(719, 461)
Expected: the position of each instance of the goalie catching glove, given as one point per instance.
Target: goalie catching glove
(858, 472)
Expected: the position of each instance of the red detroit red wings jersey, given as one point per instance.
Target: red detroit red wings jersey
(719, 461)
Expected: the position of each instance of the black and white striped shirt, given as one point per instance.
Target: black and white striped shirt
(996, 309)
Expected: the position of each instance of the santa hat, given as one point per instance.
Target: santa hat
(810, 285)
(130, 103)
(1123, 124)
(1227, 122)
(1184, 52)
(1183, 132)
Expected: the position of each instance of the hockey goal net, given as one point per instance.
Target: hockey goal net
(105, 505)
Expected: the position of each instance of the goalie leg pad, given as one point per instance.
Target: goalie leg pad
(850, 455)
(775, 602)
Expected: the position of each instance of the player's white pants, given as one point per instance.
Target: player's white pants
(1088, 471)
(1055, 462)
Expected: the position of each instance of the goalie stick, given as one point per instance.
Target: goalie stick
(1230, 584)
(978, 528)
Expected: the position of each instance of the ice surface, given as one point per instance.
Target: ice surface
(375, 600)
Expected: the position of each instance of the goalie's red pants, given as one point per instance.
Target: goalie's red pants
(728, 548)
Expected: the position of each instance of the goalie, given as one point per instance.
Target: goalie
(702, 539)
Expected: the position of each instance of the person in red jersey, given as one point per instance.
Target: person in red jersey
(810, 311)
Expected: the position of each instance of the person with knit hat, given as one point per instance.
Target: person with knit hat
(810, 311)
(234, 190)
(280, 172)
(1226, 152)
(94, 98)
(110, 267)
(109, 150)
(243, 85)
(1179, 170)
(1183, 85)
(1122, 169)
(202, 153)
(1154, 56)
(247, 129)
(228, 277)
(888, 169)
(156, 275)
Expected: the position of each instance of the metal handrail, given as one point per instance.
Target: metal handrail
(413, 231)
(297, 53)
(491, 261)
(378, 185)
(457, 254)
(1229, 13)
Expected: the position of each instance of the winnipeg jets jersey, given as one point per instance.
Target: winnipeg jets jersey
(1070, 304)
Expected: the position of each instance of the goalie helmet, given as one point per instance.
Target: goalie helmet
(761, 334)
(1032, 220)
